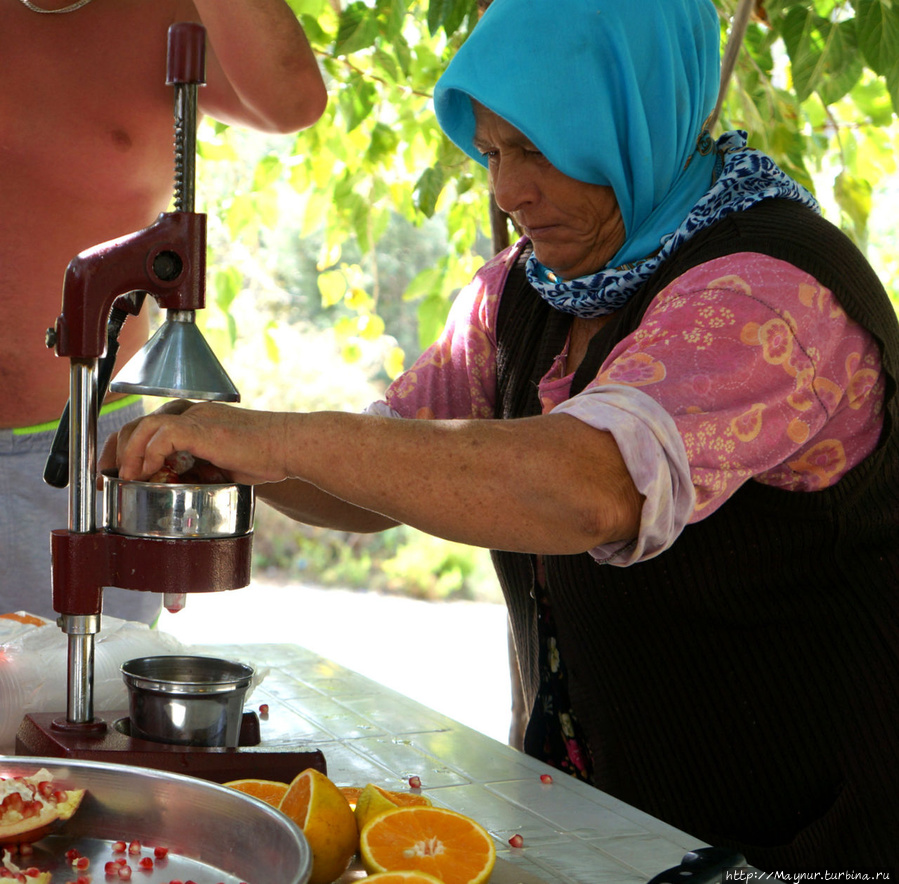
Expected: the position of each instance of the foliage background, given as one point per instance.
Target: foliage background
(334, 254)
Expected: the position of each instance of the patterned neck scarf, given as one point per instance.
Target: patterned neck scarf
(743, 177)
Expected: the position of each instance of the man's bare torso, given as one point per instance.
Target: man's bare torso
(85, 156)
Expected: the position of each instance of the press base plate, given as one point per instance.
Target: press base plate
(108, 739)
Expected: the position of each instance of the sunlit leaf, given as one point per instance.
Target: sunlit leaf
(394, 362)
(358, 299)
(332, 286)
(370, 327)
(853, 196)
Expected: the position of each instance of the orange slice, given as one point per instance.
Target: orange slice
(320, 809)
(351, 793)
(440, 842)
(402, 878)
(269, 791)
(373, 801)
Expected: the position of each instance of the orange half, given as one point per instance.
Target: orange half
(269, 791)
(451, 847)
(402, 878)
(321, 810)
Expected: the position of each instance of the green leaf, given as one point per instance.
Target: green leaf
(432, 313)
(877, 23)
(853, 195)
(358, 29)
(435, 15)
(455, 12)
(427, 190)
(356, 100)
(268, 170)
(383, 143)
(228, 282)
(424, 283)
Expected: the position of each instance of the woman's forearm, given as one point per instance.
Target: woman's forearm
(547, 484)
(305, 503)
(550, 484)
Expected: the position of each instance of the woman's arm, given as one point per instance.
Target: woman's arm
(548, 484)
(261, 71)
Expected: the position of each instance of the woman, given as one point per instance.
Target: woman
(693, 490)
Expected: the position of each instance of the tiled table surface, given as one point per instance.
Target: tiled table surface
(573, 834)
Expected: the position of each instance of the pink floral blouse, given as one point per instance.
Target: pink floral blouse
(744, 368)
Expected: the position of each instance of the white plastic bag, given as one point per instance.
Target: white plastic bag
(33, 660)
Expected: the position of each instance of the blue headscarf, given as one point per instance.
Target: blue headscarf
(615, 93)
(612, 92)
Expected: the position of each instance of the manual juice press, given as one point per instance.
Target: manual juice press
(171, 539)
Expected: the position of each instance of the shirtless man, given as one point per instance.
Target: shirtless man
(86, 133)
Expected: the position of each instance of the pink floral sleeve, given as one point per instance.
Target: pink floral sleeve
(764, 374)
(456, 376)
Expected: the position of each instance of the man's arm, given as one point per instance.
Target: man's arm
(261, 71)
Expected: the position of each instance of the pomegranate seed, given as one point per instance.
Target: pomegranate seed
(121, 861)
(82, 863)
(146, 863)
(263, 710)
(60, 797)
(119, 847)
(414, 782)
(72, 854)
(160, 852)
(516, 841)
(134, 848)
(125, 873)
(32, 872)
(111, 868)
(546, 778)
(83, 879)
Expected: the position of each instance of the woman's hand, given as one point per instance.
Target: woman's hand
(242, 443)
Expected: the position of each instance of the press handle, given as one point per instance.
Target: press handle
(186, 60)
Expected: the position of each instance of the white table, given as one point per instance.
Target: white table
(573, 833)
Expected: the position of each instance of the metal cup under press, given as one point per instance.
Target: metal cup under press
(187, 700)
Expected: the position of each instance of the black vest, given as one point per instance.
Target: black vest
(744, 684)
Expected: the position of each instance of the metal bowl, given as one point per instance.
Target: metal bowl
(157, 509)
(213, 833)
(186, 700)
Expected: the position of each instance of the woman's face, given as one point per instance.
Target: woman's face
(575, 227)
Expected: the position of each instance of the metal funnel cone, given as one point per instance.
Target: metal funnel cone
(176, 362)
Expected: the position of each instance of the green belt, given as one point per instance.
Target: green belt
(50, 426)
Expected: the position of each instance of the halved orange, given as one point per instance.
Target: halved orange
(451, 847)
(320, 809)
(375, 800)
(269, 791)
(402, 878)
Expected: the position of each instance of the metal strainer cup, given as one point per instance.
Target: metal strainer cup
(186, 700)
